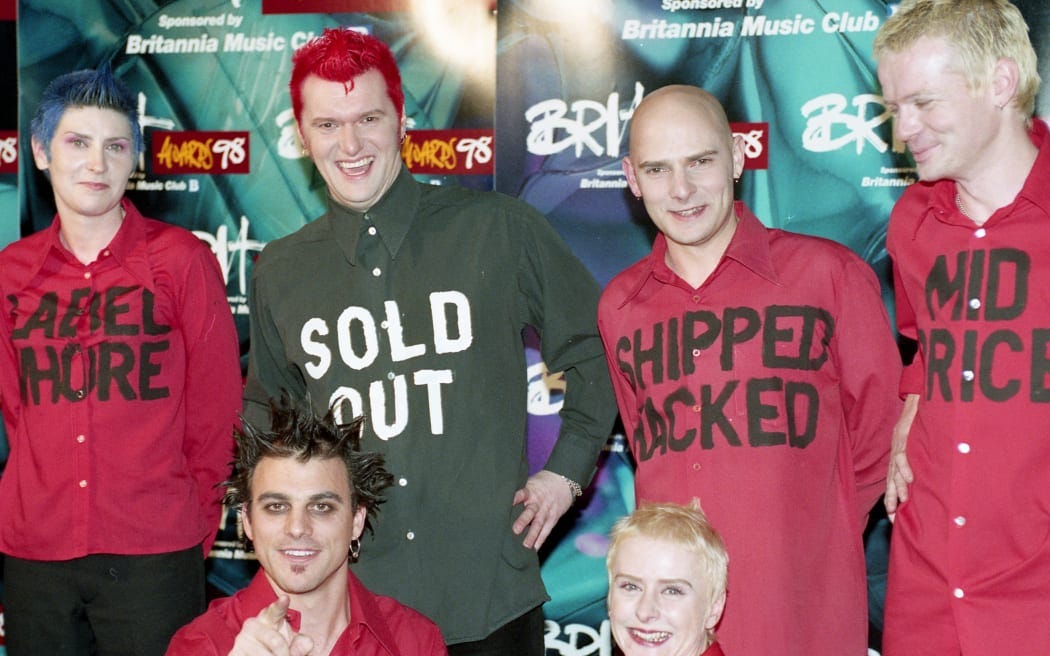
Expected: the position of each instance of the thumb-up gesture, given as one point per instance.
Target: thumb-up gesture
(269, 634)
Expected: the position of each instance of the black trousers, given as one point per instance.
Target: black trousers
(520, 637)
(100, 604)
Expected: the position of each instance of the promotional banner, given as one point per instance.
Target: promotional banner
(533, 98)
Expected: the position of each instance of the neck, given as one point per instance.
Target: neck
(694, 263)
(85, 237)
(324, 615)
(997, 184)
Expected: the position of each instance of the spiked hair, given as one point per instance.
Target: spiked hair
(340, 55)
(85, 88)
(296, 432)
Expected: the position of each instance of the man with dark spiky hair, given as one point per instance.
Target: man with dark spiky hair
(306, 492)
(120, 384)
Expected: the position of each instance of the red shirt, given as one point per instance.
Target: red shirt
(970, 560)
(769, 393)
(120, 387)
(379, 626)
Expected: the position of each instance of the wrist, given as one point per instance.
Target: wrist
(574, 487)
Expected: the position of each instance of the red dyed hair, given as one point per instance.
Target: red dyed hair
(340, 55)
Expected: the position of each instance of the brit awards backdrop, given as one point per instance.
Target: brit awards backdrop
(531, 97)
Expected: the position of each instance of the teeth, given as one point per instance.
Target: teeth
(652, 636)
(349, 166)
(293, 552)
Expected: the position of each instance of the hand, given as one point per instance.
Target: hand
(546, 497)
(269, 634)
(900, 475)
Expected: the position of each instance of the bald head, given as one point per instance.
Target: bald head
(667, 106)
(682, 164)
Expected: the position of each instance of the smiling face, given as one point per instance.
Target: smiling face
(659, 602)
(683, 161)
(89, 160)
(301, 521)
(353, 137)
(945, 125)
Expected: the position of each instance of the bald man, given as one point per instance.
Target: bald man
(756, 370)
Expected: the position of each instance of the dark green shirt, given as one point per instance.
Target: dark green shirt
(412, 314)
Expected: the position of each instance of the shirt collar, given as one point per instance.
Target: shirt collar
(128, 247)
(748, 247)
(365, 614)
(392, 216)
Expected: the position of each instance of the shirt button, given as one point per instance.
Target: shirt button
(958, 593)
(410, 535)
(696, 353)
(402, 481)
(975, 303)
(980, 233)
(80, 439)
(960, 521)
(106, 252)
(696, 466)
(383, 324)
(696, 298)
(372, 230)
(80, 394)
(390, 375)
(697, 408)
(83, 483)
(963, 447)
(377, 272)
(87, 275)
(967, 375)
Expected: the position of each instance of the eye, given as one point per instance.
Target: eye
(117, 147)
(628, 586)
(654, 170)
(674, 591)
(275, 507)
(323, 507)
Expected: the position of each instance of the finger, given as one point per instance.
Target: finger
(538, 535)
(301, 645)
(524, 519)
(890, 499)
(274, 614)
(904, 470)
(520, 496)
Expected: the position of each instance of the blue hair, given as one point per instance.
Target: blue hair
(86, 88)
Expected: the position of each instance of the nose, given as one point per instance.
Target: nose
(348, 139)
(297, 523)
(97, 159)
(648, 606)
(681, 186)
(905, 124)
